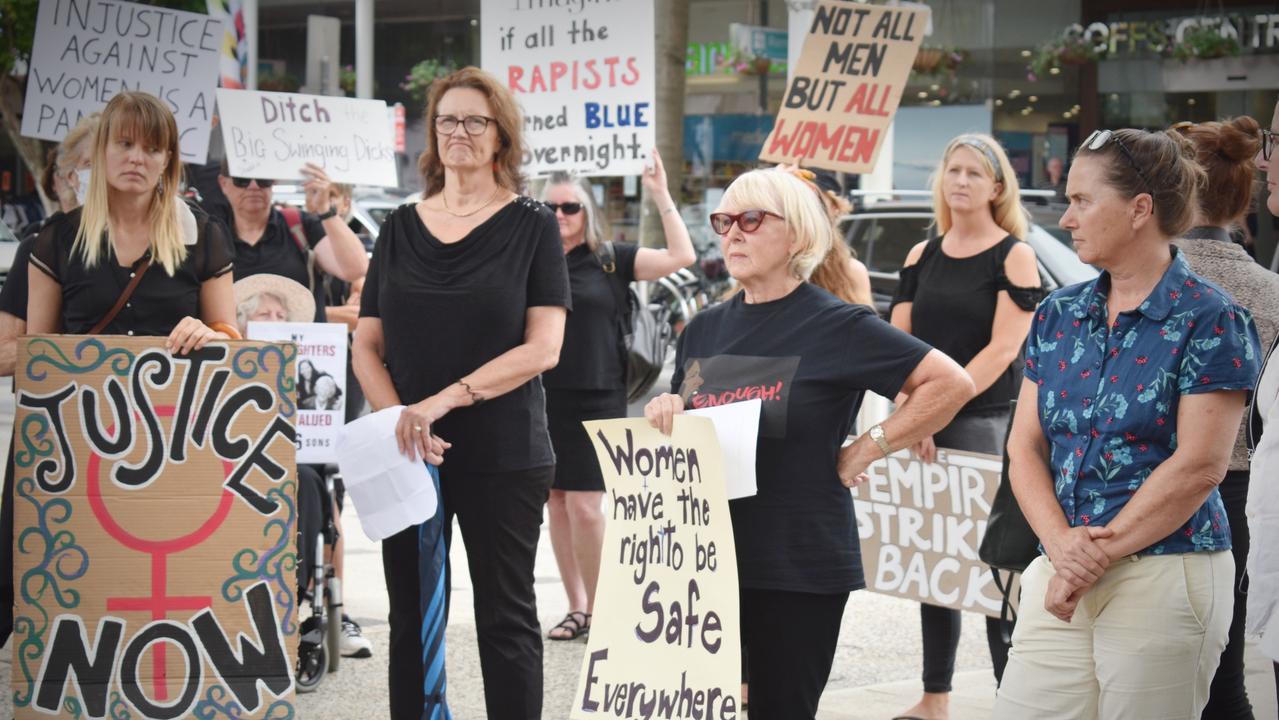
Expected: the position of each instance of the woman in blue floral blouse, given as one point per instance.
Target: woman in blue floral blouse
(1134, 386)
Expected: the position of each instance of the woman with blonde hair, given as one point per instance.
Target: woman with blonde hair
(796, 539)
(590, 381)
(969, 292)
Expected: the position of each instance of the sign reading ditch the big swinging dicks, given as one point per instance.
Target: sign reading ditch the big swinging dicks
(155, 510)
(665, 638)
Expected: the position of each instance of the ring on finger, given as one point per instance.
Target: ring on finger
(417, 428)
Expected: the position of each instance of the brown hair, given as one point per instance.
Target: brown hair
(145, 119)
(1225, 150)
(47, 175)
(1160, 164)
(509, 121)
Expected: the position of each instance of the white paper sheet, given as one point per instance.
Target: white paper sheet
(390, 491)
(737, 425)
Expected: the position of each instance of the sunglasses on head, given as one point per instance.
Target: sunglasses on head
(244, 182)
(1268, 140)
(568, 208)
(1098, 139)
(748, 220)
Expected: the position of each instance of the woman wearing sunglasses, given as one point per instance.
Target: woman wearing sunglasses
(590, 381)
(292, 244)
(796, 539)
(969, 292)
(1133, 391)
(1225, 150)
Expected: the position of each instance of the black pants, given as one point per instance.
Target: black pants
(792, 638)
(1228, 698)
(501, 516)
(941, 640)
(975, 433)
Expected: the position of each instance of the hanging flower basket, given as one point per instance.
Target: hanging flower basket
(278, 83)
(418, 82)
(1063, 50)
(938, 61)
(1203, 42)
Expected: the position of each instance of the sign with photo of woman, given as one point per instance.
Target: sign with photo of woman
(321, 382)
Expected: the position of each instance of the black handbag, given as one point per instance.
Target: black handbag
(646, 331)
(1009, 544)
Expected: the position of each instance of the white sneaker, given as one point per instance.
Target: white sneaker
(354, 644)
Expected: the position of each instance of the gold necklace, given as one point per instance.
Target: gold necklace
(444, 199)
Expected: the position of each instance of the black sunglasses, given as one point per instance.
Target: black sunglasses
(244, 182)
(1268, 140)
(748, 221)
(1098, 139)
(568, 208)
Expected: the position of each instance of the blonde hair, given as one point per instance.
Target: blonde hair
(1006, 208)
(803, 212)
(142, 118)
(594, 226)
(72, 145)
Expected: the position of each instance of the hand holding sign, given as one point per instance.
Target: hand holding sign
(316, 188)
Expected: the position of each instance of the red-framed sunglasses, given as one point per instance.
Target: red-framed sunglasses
(747, 220)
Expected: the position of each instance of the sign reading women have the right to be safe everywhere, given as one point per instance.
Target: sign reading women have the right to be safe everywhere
(583, 74)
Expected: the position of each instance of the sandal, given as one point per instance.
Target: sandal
(576, 628)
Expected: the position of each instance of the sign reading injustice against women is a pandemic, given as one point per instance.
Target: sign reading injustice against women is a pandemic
(86, 52)
(154, 522)
(665, 639)
(920, 526)
(583, 72)
(271, 135)
(846, 87)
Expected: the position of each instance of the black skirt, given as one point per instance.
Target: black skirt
(576, 467)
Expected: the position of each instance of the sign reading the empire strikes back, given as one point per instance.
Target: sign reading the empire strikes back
(583, 74)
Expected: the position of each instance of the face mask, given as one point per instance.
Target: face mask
(82, 190)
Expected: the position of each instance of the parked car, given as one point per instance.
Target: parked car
(883, 232)
(369, 208)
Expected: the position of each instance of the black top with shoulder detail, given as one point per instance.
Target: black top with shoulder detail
(160, 300)
(954, 301)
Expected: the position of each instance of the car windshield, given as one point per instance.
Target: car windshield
(380, 214)
(1067, 268)
(882, 240)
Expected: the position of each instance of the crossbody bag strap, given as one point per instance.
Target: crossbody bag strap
(607, 258)
(123, 299)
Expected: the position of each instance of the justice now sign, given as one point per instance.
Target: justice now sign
(154, 522)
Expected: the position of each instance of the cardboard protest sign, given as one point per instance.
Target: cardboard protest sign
(920, 526)
(583, 72)
(87, 51)
(321, 383)
(154, 521)
(847, 85)
(271, 135)
(665, 635)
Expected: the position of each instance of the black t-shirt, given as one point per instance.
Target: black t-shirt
(809, 357)
(954, 301)
(276, 252)
(13, 297)
(591, 358)
(447, 309)
(160, 300)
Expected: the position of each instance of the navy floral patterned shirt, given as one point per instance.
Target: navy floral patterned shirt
(1108, 397)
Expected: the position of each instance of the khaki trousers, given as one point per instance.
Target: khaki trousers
(1144, 642)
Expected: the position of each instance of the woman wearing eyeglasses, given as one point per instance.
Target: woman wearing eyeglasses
(1133, 391)
(296, 245)
(796, 539)
(969, 292)
(1225, 150)
(463, 308)
(590, 381)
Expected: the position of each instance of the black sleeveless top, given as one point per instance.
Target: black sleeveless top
(954, 301)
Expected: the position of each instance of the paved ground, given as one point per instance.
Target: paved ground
(875, 674)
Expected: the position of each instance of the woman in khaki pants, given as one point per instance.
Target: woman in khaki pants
(1134, 387)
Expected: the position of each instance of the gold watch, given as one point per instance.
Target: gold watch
(876, 433)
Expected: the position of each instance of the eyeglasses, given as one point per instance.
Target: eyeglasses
(748, 221)
(473, 124)
(568, 208)
(1098, 139)
(1268, 141)
(244, 182)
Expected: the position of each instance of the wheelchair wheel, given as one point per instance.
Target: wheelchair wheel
(312, 655)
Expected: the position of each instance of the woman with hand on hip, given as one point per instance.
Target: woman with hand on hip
(590, 381)
(969, 292)
(796, 539)
(1133, 392)
(463, 308)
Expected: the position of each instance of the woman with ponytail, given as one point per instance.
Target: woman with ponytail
(1225, 150)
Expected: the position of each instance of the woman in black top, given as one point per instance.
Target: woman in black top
(132, 219)
(463, 308)
(590, 381)
(969, 293)
(796, 539)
